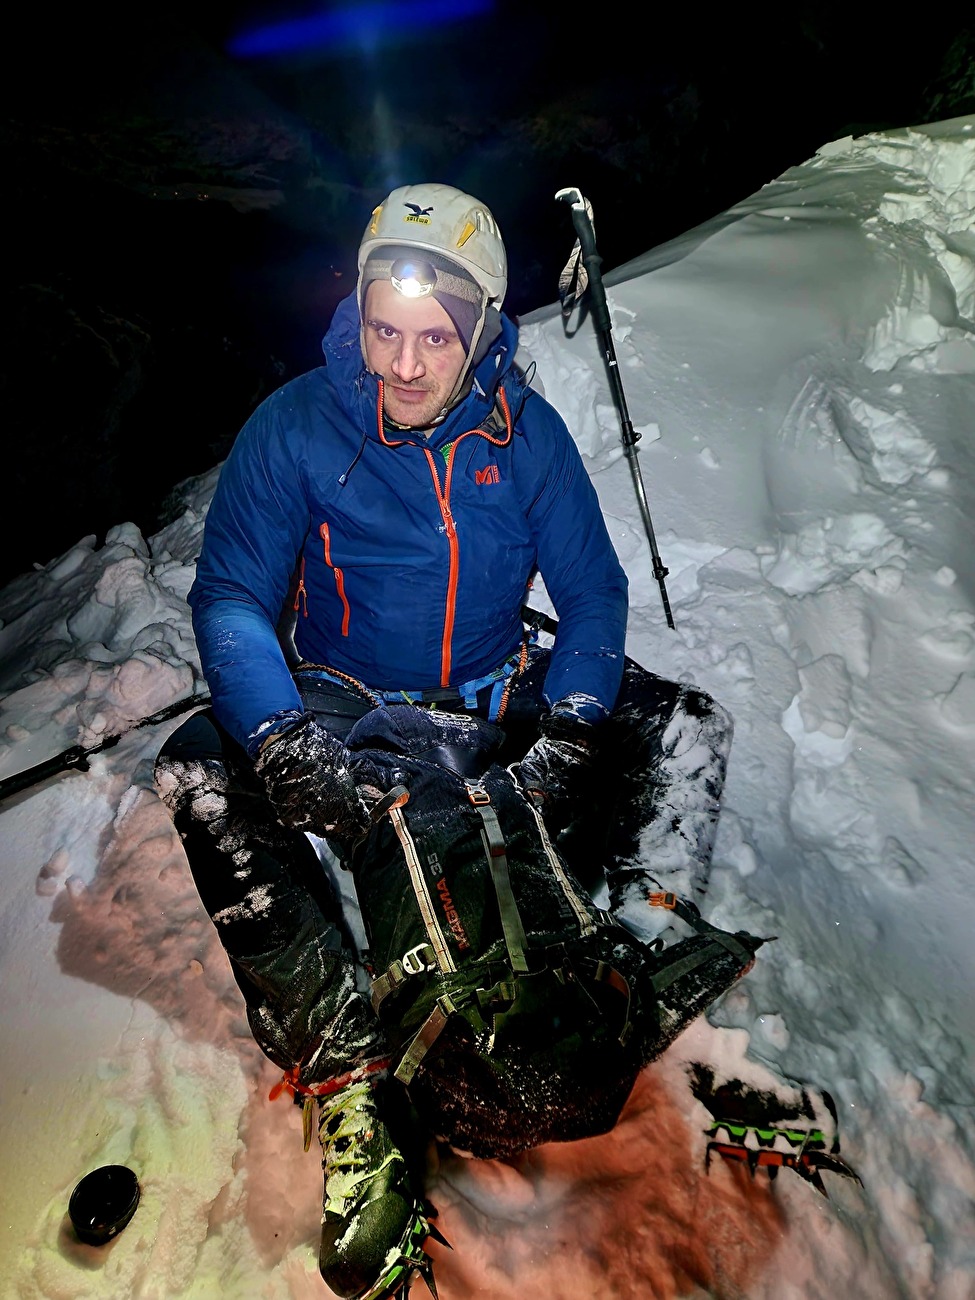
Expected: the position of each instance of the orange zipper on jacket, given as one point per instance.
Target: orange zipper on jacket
(339, 577)
(453, 565)
(443, 501)
(301, 592)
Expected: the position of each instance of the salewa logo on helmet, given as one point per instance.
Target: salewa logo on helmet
(489, 474)
(418, 214)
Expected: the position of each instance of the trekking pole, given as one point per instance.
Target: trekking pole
(76, 758)
(582, 220)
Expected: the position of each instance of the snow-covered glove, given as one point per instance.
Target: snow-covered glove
(315, 783)
(554, 770)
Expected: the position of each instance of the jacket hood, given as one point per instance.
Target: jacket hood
(358, 388)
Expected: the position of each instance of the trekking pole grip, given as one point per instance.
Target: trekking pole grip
(590, 256)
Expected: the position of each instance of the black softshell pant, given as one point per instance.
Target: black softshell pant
(656, 778)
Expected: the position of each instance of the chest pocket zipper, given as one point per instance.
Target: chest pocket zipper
(339, 576)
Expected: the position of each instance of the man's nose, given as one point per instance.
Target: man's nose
(406, 363)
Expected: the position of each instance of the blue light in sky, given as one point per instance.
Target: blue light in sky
(363, 26)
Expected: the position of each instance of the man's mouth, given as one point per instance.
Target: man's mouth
(410, 394)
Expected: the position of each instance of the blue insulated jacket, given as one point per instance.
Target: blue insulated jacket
(413, 555)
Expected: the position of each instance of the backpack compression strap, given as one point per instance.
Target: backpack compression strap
(497, 856)
(422, 958)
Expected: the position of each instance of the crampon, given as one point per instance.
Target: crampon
(411, 1261)
(806, 1153)
(788, 1128)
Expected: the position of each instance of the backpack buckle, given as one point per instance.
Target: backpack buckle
(478, 795)
(662, 899)
(419, 959)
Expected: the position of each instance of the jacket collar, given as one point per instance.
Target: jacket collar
(358, 390)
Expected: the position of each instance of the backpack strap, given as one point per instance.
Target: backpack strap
(422, 1041)
(497, 856)
(610, 975)
(415, 962)
(515, 939)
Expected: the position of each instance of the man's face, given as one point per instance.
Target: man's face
(412, 344)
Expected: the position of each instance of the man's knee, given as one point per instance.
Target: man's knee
(651, 703)
(699, 719)
(199, 737)
(190, 773)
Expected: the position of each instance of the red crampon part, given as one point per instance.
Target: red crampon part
(807, 1164)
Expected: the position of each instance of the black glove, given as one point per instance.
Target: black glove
(554, 770)
(314, 782)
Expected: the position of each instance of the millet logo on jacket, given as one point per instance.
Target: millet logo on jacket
(489, 474)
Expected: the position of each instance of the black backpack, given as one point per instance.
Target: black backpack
(517, 1011)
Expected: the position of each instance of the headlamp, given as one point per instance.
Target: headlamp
(413, 279)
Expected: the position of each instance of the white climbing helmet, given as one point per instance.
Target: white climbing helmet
(442, 220)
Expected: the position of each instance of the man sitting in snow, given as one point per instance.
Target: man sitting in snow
(402, 497)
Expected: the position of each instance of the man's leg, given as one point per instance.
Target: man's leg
(669, 744)
(273, 907)
(281, 926)
(647, 811)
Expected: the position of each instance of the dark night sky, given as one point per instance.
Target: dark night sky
(184, 218)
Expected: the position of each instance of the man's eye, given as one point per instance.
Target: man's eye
(385, 332)
(437, 340)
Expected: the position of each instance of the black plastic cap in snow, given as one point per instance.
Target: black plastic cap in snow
(103, 1203)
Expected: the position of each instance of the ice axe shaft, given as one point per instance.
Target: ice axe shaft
(604, 328)
(76, 758)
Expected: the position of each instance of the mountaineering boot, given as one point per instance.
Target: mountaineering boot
(373, 1224)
